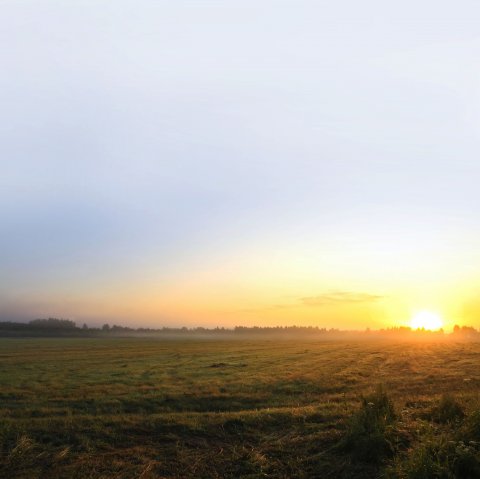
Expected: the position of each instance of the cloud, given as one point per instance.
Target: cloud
(334, 298)
(339, 298)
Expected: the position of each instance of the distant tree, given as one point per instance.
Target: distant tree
(106, 327)
(52, 323)
(84, 326)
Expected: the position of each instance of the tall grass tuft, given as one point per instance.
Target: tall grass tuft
(448, 410)
(369, 436)
(439, 458)
(451, 451)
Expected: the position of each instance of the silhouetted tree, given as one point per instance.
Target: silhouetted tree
(52, 323)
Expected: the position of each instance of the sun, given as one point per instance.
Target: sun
(426, 320)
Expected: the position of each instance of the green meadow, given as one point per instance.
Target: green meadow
(146, 408)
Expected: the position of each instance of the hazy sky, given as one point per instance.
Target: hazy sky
(239, 162)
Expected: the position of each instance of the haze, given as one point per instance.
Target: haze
(223, 163)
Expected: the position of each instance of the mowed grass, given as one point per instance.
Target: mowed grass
(146, 408)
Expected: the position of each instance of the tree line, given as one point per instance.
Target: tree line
(67, 327)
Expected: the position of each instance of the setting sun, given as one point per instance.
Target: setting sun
(426, 320)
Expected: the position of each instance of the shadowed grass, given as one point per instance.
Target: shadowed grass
(447, 410)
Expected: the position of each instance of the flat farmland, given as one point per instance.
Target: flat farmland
(147, 408)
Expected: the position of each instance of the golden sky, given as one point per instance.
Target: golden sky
(240, 163)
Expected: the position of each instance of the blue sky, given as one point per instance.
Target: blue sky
(232, 156)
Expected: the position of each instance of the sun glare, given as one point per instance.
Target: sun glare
(426, 320)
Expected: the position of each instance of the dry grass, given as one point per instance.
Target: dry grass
(125, 408)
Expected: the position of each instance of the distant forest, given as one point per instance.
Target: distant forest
(54, 327)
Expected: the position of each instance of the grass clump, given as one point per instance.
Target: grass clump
(451, 451)
(448, 410)
(425, 461)
(369, 436)
(439, 458)
(471, 426)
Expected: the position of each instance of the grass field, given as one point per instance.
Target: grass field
(128, 408)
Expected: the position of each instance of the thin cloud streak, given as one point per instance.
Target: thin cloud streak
(334, 298)
(340, 297)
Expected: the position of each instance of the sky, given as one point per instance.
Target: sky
(221, 163)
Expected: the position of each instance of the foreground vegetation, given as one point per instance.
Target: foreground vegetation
(126, 408)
